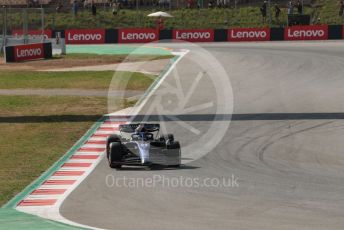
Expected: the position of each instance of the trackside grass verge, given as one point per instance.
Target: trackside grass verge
(28, 149)
(12, 219)
(72, 80)
(36, 130)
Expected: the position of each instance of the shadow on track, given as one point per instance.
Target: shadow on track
(182, 117)
(242, 117)
(157, 168)
(49, 118)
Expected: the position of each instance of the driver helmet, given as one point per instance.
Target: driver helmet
(141, 128)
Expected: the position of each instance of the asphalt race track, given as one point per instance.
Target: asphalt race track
(284, 145)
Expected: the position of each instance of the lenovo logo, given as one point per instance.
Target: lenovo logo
(84, 37)
(306, 33)
(28, 52)
(249, 34)
(95, 36)
(33, 34)
(194, 35)
(137, 35)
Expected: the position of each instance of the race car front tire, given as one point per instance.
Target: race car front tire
(115, 155)
(112, 138)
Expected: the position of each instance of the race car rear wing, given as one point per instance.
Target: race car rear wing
(130, 128)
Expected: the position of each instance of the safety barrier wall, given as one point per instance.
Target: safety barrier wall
(17, 53)
(143, 35)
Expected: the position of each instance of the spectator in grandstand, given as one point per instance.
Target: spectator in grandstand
(199, 3)
(94, 9)
(263, 9)
(115, 8)
(277, 13)
(211, 4)
(318, 21)
(59, 7)
(188, 4)
(160, 23)
(341, 8)
(75, 8)
(290, 7)
(299, 7)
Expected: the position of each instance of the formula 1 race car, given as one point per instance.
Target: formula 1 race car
(142, 147)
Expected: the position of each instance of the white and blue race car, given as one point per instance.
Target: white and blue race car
(140, 145)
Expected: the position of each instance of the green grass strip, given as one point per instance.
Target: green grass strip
(35, 184)
(12, 219)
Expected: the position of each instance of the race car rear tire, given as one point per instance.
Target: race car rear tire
(167, 137)
(115, 155)
(112, 138)
(173, 145)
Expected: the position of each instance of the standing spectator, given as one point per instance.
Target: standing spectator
(94, 9)
(299, 7)
(199, 2)
(59, 7)
(189, 4)
(263, 9)
(318, 22)
(210, 4)
(290, 7)
(160, 23)
(341, 8)
(277, 13)
(115, 8)
(75, 8)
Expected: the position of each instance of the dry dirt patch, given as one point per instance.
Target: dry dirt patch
(76, 60)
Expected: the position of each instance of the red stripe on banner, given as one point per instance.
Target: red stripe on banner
(90, 149)
(59, 182)
(100, 135)
(48, 191)
(90, 157)
(76, 164)
(96, 142)
(68, 173)
(37, 202)
(108, 129)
